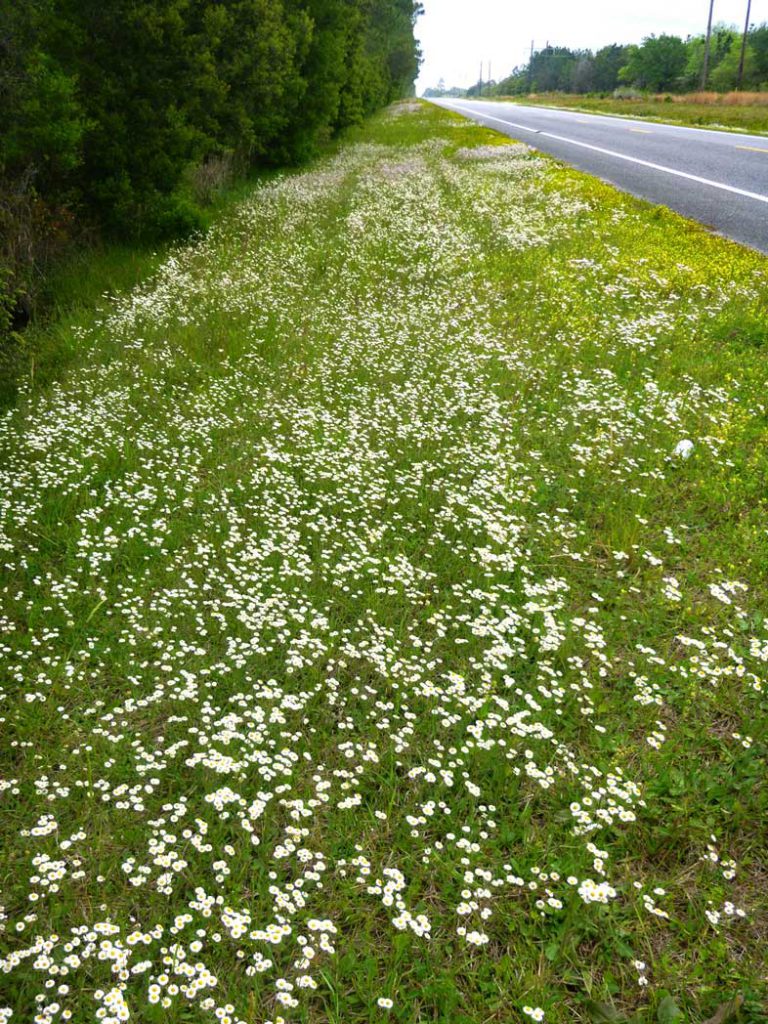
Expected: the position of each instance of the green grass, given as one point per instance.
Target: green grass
(361, 530)
(747, 118)
(79, 286)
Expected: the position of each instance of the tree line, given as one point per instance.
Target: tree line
(118, 117)
(664, 63)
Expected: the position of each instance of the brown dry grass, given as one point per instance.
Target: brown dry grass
(720, 99)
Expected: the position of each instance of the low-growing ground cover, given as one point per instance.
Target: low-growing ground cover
(749, 117)
(383, 612)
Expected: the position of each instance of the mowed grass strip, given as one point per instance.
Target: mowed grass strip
(383, 612)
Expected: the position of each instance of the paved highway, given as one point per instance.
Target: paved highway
(717, 178)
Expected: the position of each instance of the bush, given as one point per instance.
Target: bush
(209, 178)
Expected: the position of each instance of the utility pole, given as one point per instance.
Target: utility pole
(740, 75)
(480, 83)
(530, 69)
(489, 78)
(705, 69)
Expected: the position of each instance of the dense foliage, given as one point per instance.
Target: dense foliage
(123, 114)
(661, 63)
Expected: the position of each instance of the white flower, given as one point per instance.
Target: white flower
(534, 1012)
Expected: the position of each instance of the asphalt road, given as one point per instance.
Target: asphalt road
(717, 178)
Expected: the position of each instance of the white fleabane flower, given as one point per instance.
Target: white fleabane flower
(294, 624)
(534, 1012)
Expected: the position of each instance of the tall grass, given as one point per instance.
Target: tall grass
(718, 99)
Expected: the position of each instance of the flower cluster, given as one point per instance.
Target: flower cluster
(343, 625)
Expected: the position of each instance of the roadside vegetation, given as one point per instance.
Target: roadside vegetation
(126, 122)
(740, 111)
(661, 78)
(80, 285)
(383, 612)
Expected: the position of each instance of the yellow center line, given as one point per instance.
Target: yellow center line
(642, 131)
(753, 149)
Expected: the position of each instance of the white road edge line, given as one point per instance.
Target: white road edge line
(623, 156)
(628, 119)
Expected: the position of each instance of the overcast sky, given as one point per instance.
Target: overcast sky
(457, 34)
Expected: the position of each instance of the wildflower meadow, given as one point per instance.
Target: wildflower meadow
(383, 612)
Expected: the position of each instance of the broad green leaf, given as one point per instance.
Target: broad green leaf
(604, 1013)
(668, 1011)
(552, 951)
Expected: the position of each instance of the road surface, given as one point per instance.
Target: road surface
(717, 178)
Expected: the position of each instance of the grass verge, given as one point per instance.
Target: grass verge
(383, 612)
(724, 115)
(78, 288)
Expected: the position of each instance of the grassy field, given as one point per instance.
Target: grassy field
(383, 613)
(701, 110)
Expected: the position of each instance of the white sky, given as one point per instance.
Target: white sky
(456, 35)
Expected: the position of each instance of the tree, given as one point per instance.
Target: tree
(41, 128)
(583, 73)
(141, 71)
(758, 42)
(722, 40)
(257, 48)
(726, 74)
(41, 122)
(552, 69)
(656, 65)
(607, 64)
(515, 84)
